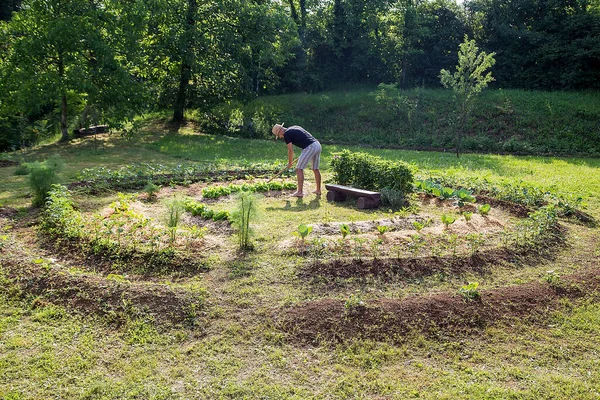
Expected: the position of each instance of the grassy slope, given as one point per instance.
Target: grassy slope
(46, 352)
(507, 121)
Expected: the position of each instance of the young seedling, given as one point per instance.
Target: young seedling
(344, 230)
(467, 215)
(382, 229)
(418, 225)
(448, 220)
(484, 210)
(470, 292)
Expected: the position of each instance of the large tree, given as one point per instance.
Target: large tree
(64, 55)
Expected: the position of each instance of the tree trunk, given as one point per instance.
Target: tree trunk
(185, 73)
(63, 119)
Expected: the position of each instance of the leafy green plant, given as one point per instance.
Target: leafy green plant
(242, 217)
(470, 291)
(395, 199)
(448, 220)
(22, 169)
(370, 172)
(383, 229)
(354, 303)
(467, 215)
(318, 247)
(418, 225)
(484, 210)
(344, 230)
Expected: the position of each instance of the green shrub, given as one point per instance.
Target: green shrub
(175, 207)
(370, 172)
(42, 175)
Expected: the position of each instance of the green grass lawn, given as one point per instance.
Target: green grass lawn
(48, 352)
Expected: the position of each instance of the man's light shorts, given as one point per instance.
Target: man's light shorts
(311, 153)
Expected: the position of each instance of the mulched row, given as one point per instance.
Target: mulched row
(8, 163)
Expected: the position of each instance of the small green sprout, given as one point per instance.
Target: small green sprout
(448, 220)
(484, 209)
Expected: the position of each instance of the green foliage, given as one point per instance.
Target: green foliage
(467, 215)
(383, 229)
(392, 198)
(468, 81)
(214, 192)
(42, 175)
(484, 209)
(202, 210)
(151, 190)
(344, 230)
(175, 209)
(364, 171)
(470, 291)
(448, 220)
(304, 230)
(242, 217)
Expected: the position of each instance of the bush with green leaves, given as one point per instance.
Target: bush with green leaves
(365, 171)
(392, 198)
(42, 175)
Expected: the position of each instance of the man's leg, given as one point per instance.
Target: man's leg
(318, 181)
(300, 176)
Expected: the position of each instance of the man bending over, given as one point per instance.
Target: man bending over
(311, 152)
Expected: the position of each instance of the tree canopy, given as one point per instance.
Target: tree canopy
(76, 62)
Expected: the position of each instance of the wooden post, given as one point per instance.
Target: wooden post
(365, 203)
(333, 195)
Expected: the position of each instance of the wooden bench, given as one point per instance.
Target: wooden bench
(92, 130)
(366, 198)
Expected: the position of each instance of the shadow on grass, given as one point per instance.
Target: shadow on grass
(299, 204)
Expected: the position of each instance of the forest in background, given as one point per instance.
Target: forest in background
(71, 64)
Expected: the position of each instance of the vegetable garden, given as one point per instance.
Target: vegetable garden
(444, 257)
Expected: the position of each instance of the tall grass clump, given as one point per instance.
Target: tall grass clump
(42, 175)
(241, 218)
(175, 209)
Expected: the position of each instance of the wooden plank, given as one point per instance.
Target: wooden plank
(354, 191)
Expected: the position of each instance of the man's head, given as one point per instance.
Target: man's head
(278, 130)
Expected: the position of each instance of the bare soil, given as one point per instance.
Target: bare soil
(391, 320)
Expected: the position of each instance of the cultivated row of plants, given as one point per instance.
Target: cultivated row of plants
(123, 234)
(528, 233)
(519, 193)
(199, 209)
(136, 176)
(214, 192)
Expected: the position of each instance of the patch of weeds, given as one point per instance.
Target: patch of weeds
(141, 331)
(552, 278)
(354, 304)
(239, 268)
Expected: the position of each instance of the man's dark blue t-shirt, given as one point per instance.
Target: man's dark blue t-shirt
(298, 136)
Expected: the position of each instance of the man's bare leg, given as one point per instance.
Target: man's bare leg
(300, 176)
(318, 181)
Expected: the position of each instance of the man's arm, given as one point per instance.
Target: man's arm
(290, 154)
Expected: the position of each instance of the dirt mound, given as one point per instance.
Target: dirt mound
(391, 320)
(97, 295)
